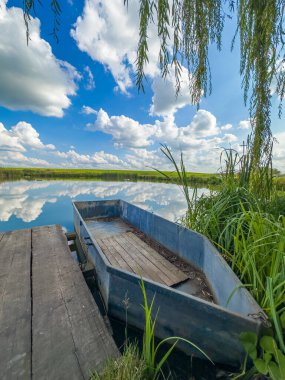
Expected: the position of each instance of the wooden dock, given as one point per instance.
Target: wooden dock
(50, 326)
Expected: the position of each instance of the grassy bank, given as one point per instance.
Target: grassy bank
(133, 175)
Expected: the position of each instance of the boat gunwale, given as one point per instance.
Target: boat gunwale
(168, 289)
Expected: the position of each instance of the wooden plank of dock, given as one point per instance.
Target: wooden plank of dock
(50, 326)
(15, 305)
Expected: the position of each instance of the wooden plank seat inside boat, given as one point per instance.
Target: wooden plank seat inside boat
(127, 251)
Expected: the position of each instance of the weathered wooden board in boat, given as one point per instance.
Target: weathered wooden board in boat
(214, 327)
(126, 252)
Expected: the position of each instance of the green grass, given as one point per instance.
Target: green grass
(129, 366)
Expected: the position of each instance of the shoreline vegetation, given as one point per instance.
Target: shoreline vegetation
(193, 178)
(132, 175)
(245, 220)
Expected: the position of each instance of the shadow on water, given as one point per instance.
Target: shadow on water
(181, 366)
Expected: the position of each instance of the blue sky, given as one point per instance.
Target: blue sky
(74, 103)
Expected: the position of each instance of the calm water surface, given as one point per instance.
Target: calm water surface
(24, 204)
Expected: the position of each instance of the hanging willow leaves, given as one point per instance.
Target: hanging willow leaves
(29, 7)
(187, 28)
(260, 31)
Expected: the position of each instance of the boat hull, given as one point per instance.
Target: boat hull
(215, 328)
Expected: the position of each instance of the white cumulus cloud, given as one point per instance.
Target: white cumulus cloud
(8, 141)
(98, 159)
(108, 32)
(201, 136)
(126, 132)
(31, 77)
(21, 136)
(10, 158)
(28, 136)
(164, 100)
(204, 124)
(244, 124)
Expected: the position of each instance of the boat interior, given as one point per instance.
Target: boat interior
(127, 248)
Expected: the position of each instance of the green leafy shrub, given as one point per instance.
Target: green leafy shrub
(267, 358)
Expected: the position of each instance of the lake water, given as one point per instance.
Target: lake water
(24, 204)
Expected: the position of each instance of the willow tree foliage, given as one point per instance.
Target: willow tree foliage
(187, 28)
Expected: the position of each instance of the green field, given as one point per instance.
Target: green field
(133, 175)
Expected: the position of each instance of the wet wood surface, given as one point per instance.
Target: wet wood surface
(50, 326)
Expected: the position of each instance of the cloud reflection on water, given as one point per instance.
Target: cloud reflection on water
(26, 200)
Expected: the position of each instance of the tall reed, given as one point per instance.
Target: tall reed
(247, 225)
